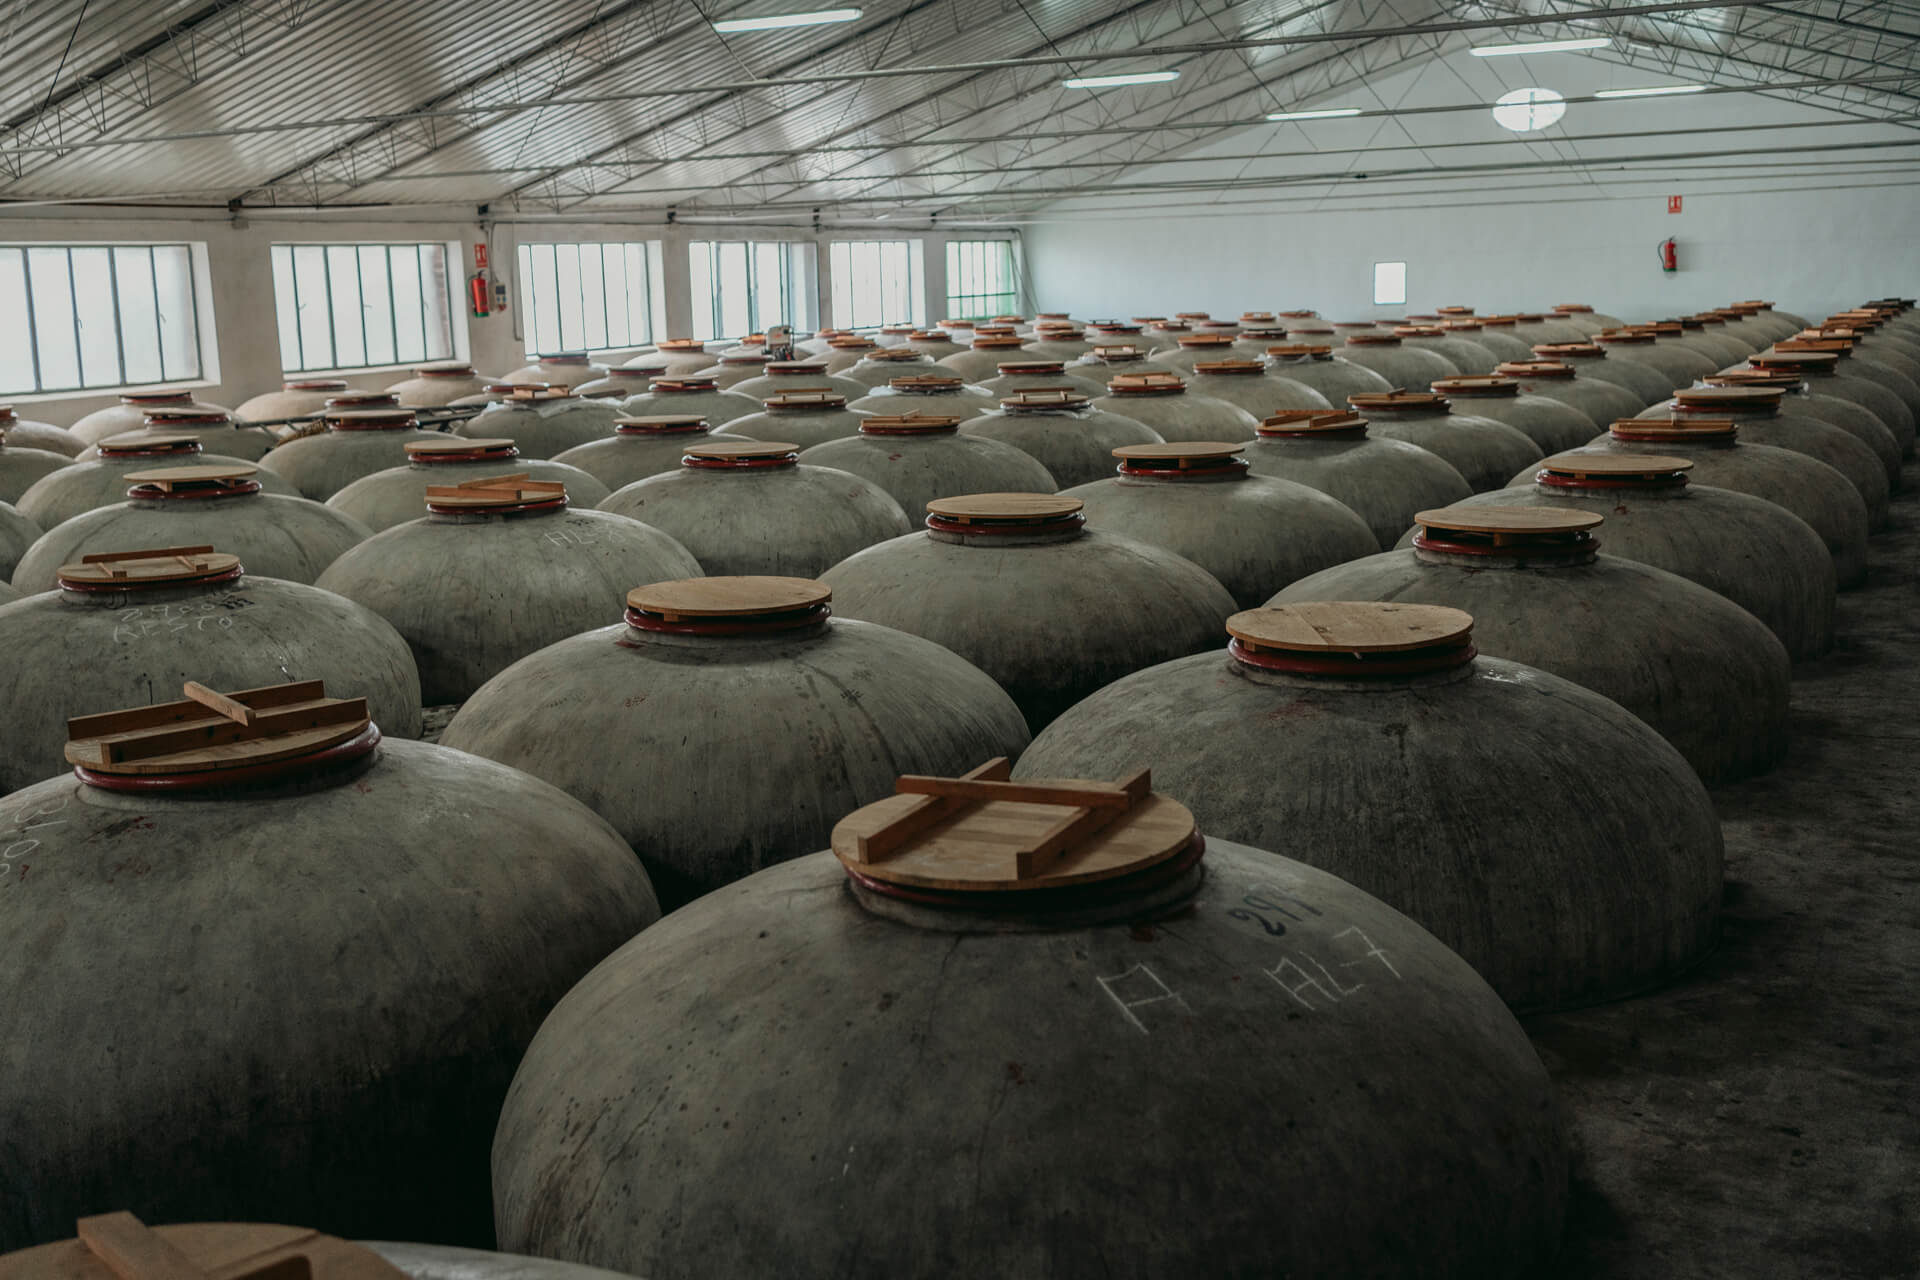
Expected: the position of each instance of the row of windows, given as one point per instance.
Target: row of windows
(81, 318)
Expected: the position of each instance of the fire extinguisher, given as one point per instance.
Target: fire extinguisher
(1669, 255)
(479, 294)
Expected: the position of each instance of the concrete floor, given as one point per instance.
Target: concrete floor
(1761, 1117)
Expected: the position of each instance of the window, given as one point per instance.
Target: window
(741, 287)
(360, 306)
(1528, 110)
(1389, 284)
(586, 297)
(75, 317)
(980, 279)
(877, 282)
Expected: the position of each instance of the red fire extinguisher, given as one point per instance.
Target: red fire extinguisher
(1669, 255)
(479, 294)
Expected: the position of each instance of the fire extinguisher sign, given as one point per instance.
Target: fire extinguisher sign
(1673, 206)
(480, 251)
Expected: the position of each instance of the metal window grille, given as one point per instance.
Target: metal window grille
(876, 282)
(585, 297)
(743, 286)
(980, 279)
(87, 317)
(361, 306)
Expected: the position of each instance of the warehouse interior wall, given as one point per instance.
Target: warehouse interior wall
(1811, 252)
(244, 357)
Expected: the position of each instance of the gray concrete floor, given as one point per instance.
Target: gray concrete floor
(1761, 1117)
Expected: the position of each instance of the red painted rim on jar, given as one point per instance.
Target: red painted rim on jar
(495, 453)
(1009, 528)
(1464, 543)
(742, 464)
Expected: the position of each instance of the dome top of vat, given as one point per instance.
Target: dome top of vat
(983, 834)
(148, 567)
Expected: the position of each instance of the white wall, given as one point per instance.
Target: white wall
(1795, 248)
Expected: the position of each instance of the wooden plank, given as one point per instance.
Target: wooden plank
(150, 553)
(494, 482)
(233, 709)
(1088, 795)
(1061, 838)
(214, 731)
(161, 713)
(924, 814)
(132, 1251)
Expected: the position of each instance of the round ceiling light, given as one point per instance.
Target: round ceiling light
(1528, 110)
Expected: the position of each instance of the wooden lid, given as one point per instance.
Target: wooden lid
(726, 451)
(1462, 326)
(444, 369)
(806, 398)
(1299, 421)
(363, 397)
(728, 597)
(1146, 384)
(853, 342)
(1203, 340)
(1535, 369)
(183, 413)
(1184, 451)
(149, 567)
(1003, 507)
(1485, 386)
(487, 492)
(642, 423)
(1047, 398)
(1556, 351)
(1508, 520)
(983, 832)
(118, 1246)
(1572, 308)
(1617, 337)
(1373, 339)
(1032, 366)
(998, 340)
(1675, 429)
(149, 442)
(1628, 465)
(1454, 311)
(315, 384)
(212, 731)
(909, 424)
(1420, 331)
(926, 383)
(171, 478)
(1117, 352)
(571, 357)
(683, 384)
(741, 357)
(371, 419)
(1299, 349)
(900, 355)
(680, 344)
(1339, 626)
(457, 444)
(1818, 356)
(1739, 399)
(155, 397)
(1228, 368)
(530, 391)
(790, 368)
(1391, 400)
(1785, 379)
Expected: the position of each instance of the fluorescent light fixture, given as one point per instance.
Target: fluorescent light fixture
(776, 21)
(1324, 113)
(1107, 82)
(1540, 46)
(1651, 91)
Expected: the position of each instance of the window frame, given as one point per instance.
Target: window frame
(996, 303)
(846, 309)
(200, 345)
(287, 322)
(797, 267)
(531, 282)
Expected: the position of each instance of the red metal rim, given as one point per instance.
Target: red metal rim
(115, 588)
(1069, 897)
(357, 747)
(1557, 544)
(759, 624)
(741, 464)
(1012, 528)
(546, 506)
(1666, 480)
(1353, 665)
(222, 489)
(1225, 467)
(472, 455)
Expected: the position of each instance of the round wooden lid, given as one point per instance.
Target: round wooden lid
(1203, 341)
(1293, 421)
(148, 441)
(1483, 385)
(909, 424)
(1509, 519)
(681, 344)
(487, 493)
(1373, 339)
(568, 357)
(1742, 397)
(994, 341)
(724, 451)
(1536, 369)
(790, 368)
(457, 444)
(1340, 626)
(925, 383)
(661, 421)
(211, 732)
(1047, 398)
(1115, 353)
(371, 419)
(445, 369)
(1032, 366)
(1621, 338)
(202, 473)
(1300, 350)
(186, 413)
(806, 398)
(1673, 428)
(728, 597)
(1615, 464)
(899, 355)
(985, 833)
(1228, 368)
(1420, 331)
(1139, 384)
(1790, 359)
(315, 384)
(151, 567)
(1189, 450)
(1397, 400)
(116, 1246)
(1005, 506)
